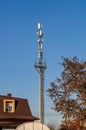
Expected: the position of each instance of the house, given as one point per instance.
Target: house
(14, 111)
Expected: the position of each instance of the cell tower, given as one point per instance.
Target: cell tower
(40, 67)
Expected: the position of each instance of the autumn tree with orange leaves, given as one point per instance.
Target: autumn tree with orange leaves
(68, 93)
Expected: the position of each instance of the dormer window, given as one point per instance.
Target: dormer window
(9, 105)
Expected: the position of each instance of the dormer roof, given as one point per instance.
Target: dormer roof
(14, 111)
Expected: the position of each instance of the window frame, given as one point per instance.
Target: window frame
(9, 101)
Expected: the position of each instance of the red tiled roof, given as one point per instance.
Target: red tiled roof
(22, 112)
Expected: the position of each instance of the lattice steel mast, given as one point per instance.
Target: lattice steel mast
(40, 67)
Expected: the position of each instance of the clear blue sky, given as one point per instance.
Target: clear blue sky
(64, 27)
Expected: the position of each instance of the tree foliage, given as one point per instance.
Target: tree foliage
(68, 93)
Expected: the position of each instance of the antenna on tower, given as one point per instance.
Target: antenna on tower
(40, 67)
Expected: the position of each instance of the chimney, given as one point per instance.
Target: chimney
(9, 95)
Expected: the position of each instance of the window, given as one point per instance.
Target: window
(9, 105)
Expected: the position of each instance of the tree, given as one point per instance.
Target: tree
(68, 93)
